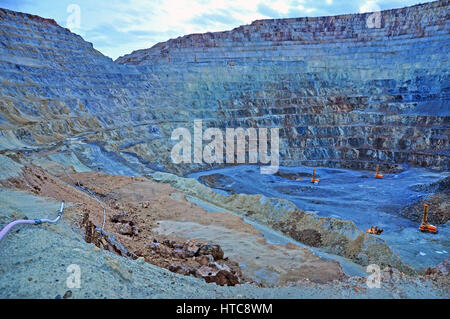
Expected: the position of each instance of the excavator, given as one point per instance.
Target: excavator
(425, 226)
(374, 230)
(377, 174)
(314, 179)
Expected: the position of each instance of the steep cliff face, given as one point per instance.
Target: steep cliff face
(342, 94)
(55, 85)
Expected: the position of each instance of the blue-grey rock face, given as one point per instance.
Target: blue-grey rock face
(342, 94)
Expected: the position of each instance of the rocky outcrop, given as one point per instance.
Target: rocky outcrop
(335, 236)
(342, 94)
(438, 201)
(202, 260)
(443, 269)
(101, 239)
(440, 273)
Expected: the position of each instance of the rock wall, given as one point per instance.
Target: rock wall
(341, 93)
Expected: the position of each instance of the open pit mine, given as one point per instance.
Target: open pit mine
(93, 205)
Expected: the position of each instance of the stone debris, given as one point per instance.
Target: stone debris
(103, 239)
(213, 250)
(443, 269)
(128, 226)
(202, 260)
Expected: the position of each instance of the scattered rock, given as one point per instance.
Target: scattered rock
(205, 271)
(181, 269)
(103, 239)
(121, 218)
(214, 250)
(129, 230)
(221, 277)
(439, 211)
(161, 249)
(169, 243)
(191, 249)
(180, 253)
(139, 253)
(204, 261)
(443, 269)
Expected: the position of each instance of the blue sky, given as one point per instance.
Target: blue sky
(117, 27)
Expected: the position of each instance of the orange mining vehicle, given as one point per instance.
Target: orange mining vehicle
(377, 174)
(314, 179)
(374, 230)
(424, 226)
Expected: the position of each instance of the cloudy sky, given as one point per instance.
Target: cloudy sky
(117, 27)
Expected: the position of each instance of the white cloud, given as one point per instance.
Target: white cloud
(370, 6)
(281, 6)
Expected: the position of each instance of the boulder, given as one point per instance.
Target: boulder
(210, 249)
(181, 269)
(217, 274)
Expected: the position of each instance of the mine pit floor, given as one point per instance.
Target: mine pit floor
(348, 195)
